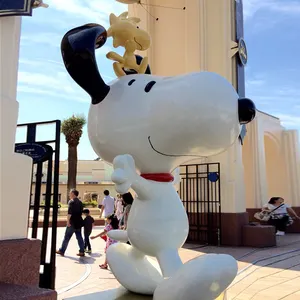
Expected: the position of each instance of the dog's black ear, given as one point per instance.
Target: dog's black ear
(78, 51)
(247, 110)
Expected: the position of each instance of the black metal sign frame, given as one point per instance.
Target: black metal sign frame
(47, 273)
(15, 8)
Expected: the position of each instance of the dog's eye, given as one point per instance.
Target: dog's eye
(149, 86)
(137, 27)
(131, 82)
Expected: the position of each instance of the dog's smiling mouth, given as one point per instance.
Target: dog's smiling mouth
(169, 155)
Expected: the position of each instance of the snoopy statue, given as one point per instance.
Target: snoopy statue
(163, 122)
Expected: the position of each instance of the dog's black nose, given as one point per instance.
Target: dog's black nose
(247, 110)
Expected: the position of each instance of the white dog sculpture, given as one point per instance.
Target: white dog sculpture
(162, 122)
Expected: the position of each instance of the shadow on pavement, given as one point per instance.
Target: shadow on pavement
(288, 248)
(116, 294)
(82, 260)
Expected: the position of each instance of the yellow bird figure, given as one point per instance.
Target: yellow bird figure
(126, 33)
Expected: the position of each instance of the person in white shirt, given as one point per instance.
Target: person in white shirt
(108, 205)
(280, 214)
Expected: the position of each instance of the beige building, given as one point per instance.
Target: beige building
(93, 176)
(271, 162)
(202, 35)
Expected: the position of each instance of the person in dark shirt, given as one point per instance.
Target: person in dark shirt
(88, 227)
(74, 224)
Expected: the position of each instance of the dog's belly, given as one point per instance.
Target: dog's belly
(157, 224)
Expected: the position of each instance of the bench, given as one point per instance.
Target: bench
(259, 236)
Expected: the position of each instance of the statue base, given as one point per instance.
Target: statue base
(119, 294)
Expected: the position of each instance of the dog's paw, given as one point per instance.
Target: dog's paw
(124, 172)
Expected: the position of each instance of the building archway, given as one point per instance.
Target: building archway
(277, 182)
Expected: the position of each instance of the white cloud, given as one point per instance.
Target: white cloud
(50, 93)
(39, 62)
(41, 70)
(47, 38)
(289, 121)
(251, 7)
(63, 15)
(54, 40)
(39, 79)
(58, 63)
(278, 98)
(90, 10)
(290, 7)
(57, 84)
(255, 82)
(50, 78)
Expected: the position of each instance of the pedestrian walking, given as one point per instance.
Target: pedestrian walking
(88, 224)
(108, 205)
(74, 224)
(112, 224)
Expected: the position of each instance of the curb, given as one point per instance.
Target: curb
(63, 223)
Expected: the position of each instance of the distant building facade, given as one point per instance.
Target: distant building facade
(93, 176)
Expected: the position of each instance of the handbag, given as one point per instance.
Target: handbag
(265, 215)
(290, 221)
(104, 237)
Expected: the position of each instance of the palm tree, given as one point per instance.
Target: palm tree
(72, 129)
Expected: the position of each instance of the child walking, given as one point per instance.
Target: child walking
(112, 223)
(88, 224)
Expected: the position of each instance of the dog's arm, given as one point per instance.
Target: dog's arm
(126, 177)
(177, 178)
(142, 188)
(118, 235)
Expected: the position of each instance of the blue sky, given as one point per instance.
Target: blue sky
(45, 91)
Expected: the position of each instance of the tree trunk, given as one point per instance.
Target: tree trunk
(72, 168)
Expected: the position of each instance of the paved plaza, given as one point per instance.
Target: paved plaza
(272, 273)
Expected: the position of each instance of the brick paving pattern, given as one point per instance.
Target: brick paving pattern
(275, 274)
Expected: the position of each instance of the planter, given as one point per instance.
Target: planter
(89, 206)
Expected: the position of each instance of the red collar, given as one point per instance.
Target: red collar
(159, 177)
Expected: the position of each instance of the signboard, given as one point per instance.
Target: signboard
(242, 51)
(38, 153)
(15, 8)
